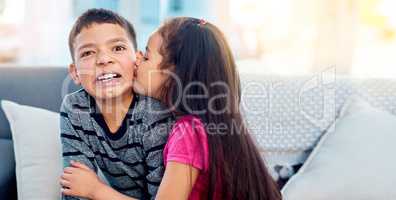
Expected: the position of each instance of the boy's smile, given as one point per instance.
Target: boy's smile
(104, 60)
(108, 79)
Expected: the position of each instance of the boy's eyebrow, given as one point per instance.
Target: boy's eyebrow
(85, 46)
(110, 41)
(117, 40)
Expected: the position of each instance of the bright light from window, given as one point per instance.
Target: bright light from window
(387, 9)
(376, 39)
(14, 12)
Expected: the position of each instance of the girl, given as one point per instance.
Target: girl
(209, 154)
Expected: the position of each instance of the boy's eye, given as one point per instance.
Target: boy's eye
(119, 48)
(86, 53)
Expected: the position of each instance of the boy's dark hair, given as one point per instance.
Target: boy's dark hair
(100, 16)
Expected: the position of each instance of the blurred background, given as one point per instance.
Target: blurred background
(288, 37)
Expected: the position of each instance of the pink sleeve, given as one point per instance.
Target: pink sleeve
(188, 144)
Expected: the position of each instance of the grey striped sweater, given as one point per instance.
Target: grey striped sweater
(130, 159)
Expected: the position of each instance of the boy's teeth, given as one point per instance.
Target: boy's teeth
(107, 76)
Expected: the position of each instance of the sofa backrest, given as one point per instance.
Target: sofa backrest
(42, 87)
(288, 115)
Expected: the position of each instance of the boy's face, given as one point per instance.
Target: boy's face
(104, 60)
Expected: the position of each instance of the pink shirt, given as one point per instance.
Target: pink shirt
(188, 144)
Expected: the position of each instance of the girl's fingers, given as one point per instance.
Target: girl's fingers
(66, 177)
(65, 183)
(79, 165)
(66, 191)
(68, 170)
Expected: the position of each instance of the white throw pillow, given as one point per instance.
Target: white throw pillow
(37, 148)
(355, 161)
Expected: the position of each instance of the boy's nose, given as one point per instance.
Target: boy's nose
(104, 59)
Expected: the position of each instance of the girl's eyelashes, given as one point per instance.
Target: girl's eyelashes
(145, 56)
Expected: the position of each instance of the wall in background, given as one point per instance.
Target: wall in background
(356, 37)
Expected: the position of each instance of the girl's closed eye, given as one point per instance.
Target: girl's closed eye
(145, 56)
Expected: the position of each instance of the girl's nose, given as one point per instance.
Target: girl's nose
(139, 57)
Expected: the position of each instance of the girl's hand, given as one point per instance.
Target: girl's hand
(79, 180)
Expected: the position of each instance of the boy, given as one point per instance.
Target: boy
(105, 124)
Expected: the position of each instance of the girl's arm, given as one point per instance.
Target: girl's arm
(176, 184)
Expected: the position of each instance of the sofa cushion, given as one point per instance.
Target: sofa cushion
(37, 149)
(288, 115)
(355, 161)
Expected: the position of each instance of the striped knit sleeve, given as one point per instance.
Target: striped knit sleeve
(154, 141)
(73, 146)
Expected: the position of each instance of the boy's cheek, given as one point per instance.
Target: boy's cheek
(129, 58)
(128, 63)
(134, 57)
(131, 55)
(87, 73)
(87, 67)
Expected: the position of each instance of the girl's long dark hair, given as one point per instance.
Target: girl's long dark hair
(198, 54)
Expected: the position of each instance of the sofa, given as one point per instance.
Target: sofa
(287, 116)
(39, 87)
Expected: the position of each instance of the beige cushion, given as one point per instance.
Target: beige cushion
(37, 151)
(355, 161)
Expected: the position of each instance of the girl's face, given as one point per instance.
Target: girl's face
(149, 77)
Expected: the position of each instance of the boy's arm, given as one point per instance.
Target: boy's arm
(154, 142)
(176, 185)
(105, 192)
(73, 146)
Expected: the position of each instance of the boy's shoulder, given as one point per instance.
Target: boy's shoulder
(79, 99)
(151, 110)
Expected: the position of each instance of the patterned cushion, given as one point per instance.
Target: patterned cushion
(380, 93)
(288, 115)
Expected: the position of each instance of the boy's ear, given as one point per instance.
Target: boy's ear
(73, 74)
